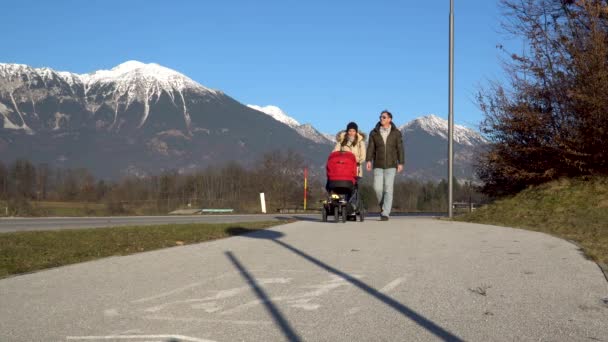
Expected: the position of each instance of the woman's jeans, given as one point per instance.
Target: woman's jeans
(383, 186)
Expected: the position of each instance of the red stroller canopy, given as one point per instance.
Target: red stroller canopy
(342, 166)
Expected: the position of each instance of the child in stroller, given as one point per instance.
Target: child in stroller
(343, 199)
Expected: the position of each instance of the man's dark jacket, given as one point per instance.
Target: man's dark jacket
(387, 155)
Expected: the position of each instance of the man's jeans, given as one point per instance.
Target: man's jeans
(383, 185)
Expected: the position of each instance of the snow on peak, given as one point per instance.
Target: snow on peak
(132, 65)
(437, 126)
(127, 75)
(277, 114)
(432, 124)
(311, 133)
(150, 75)
(125, 68)
(19, 75)
(306, 130)
(7, 68)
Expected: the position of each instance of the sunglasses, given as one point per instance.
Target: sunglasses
(383, 117)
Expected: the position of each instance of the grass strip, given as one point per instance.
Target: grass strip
(22, 252)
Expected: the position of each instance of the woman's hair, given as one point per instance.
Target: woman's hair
(345, 139)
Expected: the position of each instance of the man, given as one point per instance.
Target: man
(385, 149)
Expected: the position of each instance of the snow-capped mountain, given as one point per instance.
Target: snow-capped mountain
(311, 133)
(426, 148)
(135, 74)
(277, 114)
(133, 118)
(126, 76)
(128, 83)
(141, 118)
(437, 126)
(305, 130)
(329, 136)
(134, 81)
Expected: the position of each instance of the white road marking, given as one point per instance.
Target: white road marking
(208, 307)
(204, 320)
(110, 312)
(353, 311)
(304, 304)
(392, 285)
(301, 300)
(221, 294)
(181, 289)
(165, 294)
(244, 307)
(194, 319)
(135, 337)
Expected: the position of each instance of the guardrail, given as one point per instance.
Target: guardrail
(300, 210)
(464, 206)
(203, 211)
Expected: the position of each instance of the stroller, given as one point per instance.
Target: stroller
(343, 199)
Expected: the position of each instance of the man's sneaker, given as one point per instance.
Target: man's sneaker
(383, 218)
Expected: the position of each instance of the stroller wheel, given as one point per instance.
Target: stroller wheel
(336, 214)
(324, 214)
(344, 214)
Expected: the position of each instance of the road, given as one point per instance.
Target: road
(14, 224)
(408, 279)
(57, 223)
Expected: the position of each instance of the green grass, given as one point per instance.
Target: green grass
(56, 208)
(573, 209)
(22, 252)
(47, 208)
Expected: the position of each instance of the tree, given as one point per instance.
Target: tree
(68, 187)
(280, 176)
(167, 190)
(3, 181)
(551, 120)
(43, 175)
(23, 174)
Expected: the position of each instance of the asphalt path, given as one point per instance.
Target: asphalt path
(408, 279)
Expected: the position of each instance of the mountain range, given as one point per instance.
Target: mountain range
(142, 119)
(425, 141)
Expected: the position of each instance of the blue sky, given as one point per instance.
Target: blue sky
(322, 62)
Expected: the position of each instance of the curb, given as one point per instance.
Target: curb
(604, 269)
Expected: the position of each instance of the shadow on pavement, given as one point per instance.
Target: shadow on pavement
(298, 217)
(317, 218)
(278, 318)
(429, 325)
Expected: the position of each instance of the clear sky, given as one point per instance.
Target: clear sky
(325, 62)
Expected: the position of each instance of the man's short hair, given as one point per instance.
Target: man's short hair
(387, 113)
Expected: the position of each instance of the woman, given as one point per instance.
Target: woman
(353, 141)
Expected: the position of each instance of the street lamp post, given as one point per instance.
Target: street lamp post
(451, 117)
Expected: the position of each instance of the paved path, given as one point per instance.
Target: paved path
(408, 279)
